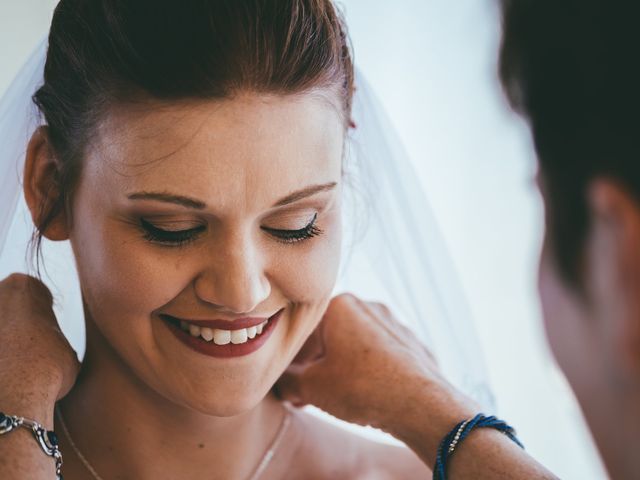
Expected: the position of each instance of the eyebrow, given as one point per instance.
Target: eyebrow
(304, 193)
(199, 205)
(169, 198)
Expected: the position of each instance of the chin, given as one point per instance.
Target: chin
(231, 410)
(225, 402)
(228, 408)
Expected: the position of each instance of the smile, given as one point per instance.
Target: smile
(223, 337)
(239, 338)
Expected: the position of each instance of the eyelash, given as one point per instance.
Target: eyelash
(295, 236)
(183, 237)
(172, 238)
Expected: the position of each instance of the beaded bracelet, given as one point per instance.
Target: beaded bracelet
(460, 432)
(47, 440)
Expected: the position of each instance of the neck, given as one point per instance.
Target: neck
(148, 437)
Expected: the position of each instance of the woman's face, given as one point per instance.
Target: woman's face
(223, 210)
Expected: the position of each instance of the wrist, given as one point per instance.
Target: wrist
(429, 409)
(28, 399)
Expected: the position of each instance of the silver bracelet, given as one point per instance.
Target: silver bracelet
(47, 440)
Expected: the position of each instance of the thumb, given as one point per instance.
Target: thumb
(289, 386)
(313, 349)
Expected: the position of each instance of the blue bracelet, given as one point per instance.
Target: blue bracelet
(460, 432)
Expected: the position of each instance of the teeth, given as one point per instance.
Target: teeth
(239, 336)
(252, 332)
(206, 333)
(261, 327)
(221, 337)
(194, 330)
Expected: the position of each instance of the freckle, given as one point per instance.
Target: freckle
(201, 445)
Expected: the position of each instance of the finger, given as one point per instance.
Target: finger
(380, 308)
(288, 387)
(314, 347)
(69, 381)
(388, 320)
(38, 290)
(383, 313)
(341, 321)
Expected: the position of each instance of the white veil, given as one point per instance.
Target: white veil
(396, 253)
(393, 251)
(18, 120)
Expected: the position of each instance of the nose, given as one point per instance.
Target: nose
(235, 280)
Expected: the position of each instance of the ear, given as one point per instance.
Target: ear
(614, 272)
(41, 187)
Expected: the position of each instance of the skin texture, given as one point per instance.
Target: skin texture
(394, 383)
(594, 330)
(37, 367)
(140, 391)
(594, 333)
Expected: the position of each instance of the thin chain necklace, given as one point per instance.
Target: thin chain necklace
(262, 466)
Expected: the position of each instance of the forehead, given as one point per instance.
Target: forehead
(248, 149)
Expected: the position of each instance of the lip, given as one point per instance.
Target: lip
(222, 351)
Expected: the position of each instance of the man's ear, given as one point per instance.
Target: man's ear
(614, 270)
(41, 187)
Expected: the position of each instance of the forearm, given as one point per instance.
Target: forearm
(22, 459)
(429, 412)
(20, 456)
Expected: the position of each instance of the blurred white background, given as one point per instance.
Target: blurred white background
(433, 64)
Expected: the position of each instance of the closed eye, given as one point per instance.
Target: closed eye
(170, 237)
(292, 236)
(161, 236)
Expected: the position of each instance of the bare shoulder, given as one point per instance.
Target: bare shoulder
(326, 450)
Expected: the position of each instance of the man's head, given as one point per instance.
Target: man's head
(572, 69)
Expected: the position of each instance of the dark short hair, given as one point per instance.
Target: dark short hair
(572, 69)
(108, 52)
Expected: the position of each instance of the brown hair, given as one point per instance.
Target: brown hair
(107, 52)
(571, 68)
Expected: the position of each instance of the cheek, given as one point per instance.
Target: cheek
(308, 276)
(122, 275)
(550, 297)
(556, 308)
(566, 327)
(306, 280)
(306, 273)
(124, 279)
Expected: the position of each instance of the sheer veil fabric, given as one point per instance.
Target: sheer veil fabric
(393, 251)
(18, 120)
